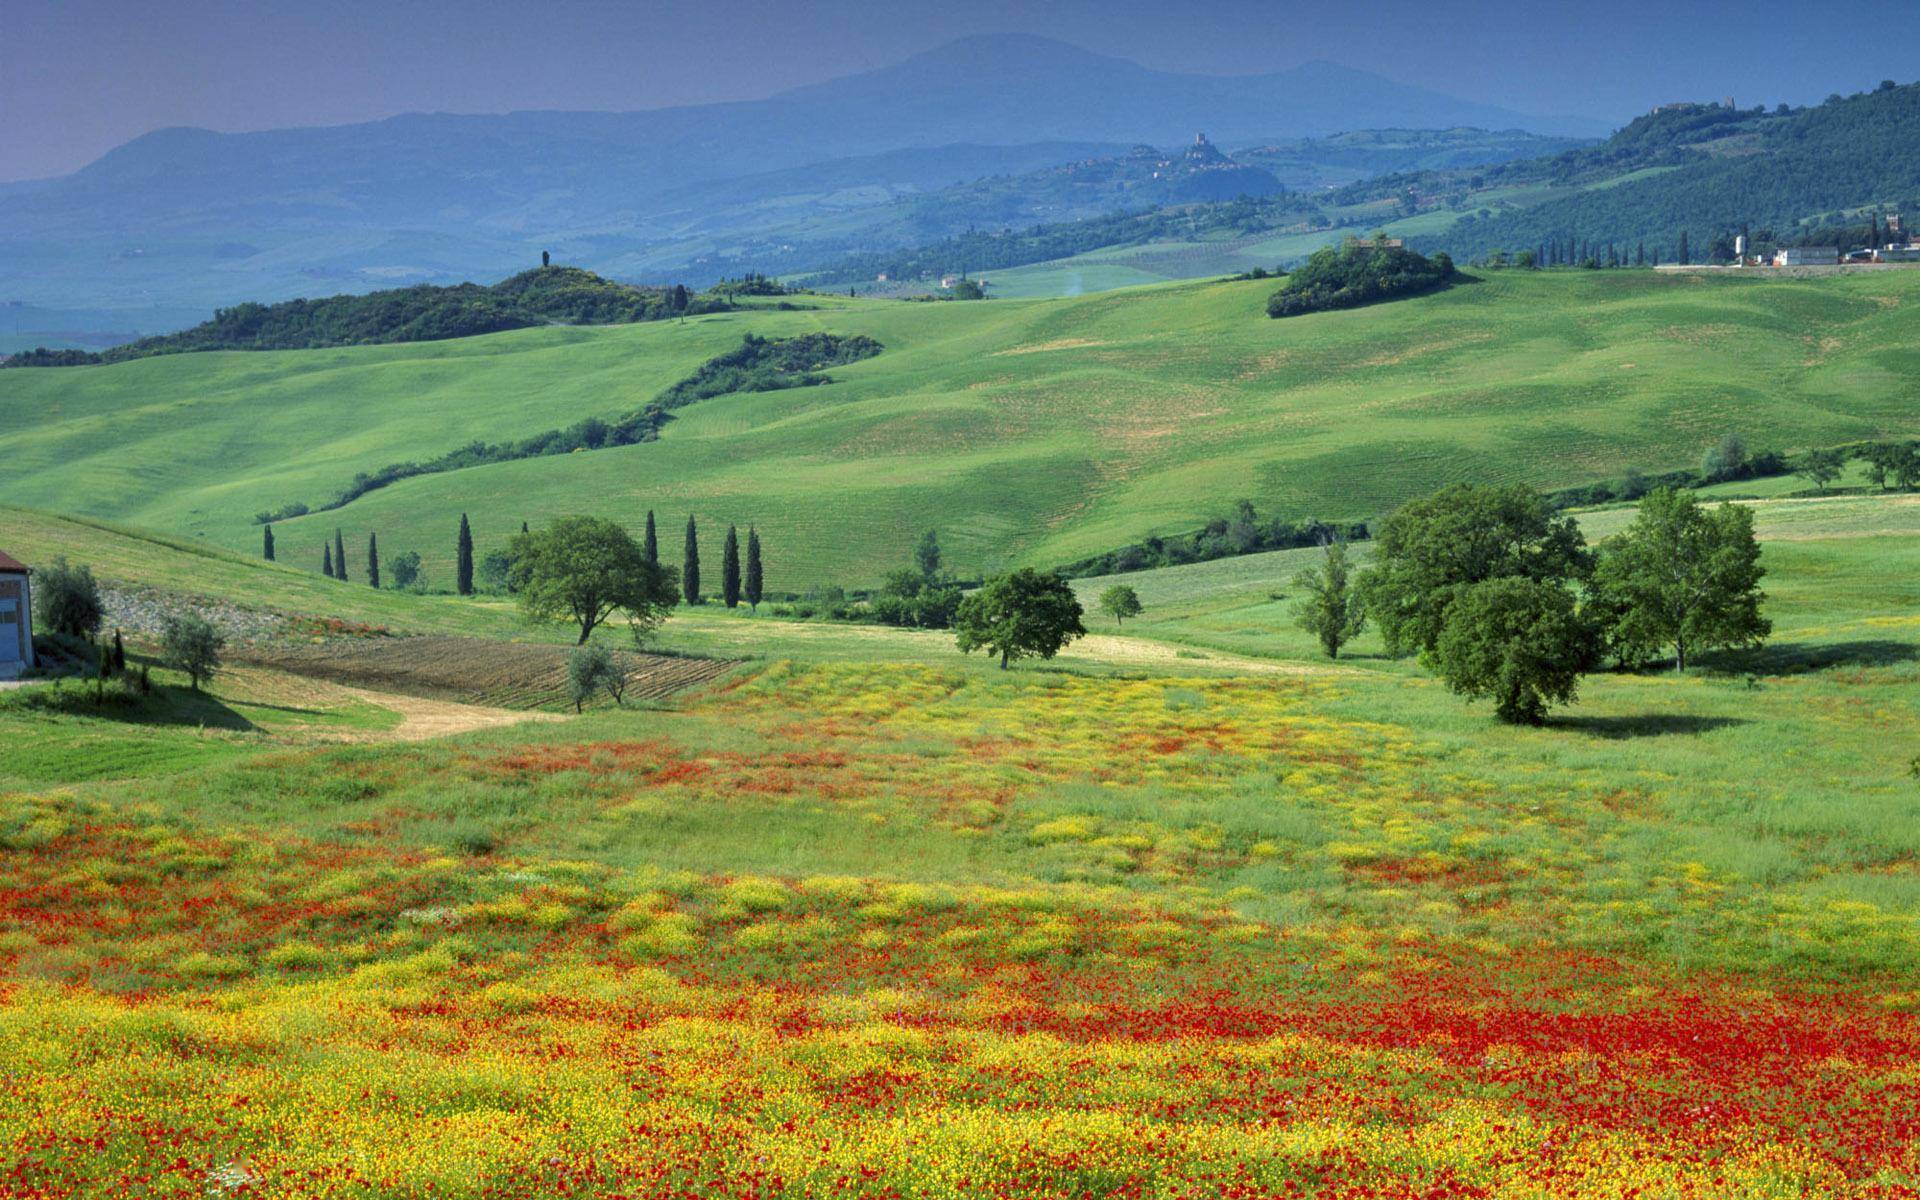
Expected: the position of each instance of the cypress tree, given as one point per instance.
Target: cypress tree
(730, 568)
(326, 560)
(119, 652)
(463, 565)
(523, 527)
(754, 591)
(1686, 255)
(690, 565)
(266, 545)
(651, 547)
(373, 561)
(339, 556)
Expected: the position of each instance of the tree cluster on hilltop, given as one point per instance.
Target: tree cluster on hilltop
(1358, 273)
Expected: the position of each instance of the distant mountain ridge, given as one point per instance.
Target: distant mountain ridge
(186, 216)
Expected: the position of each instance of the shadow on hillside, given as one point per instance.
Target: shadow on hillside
(1792, 658)
(1647, 725)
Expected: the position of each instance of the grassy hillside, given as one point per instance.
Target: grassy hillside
(1025, 431)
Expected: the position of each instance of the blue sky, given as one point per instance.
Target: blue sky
(78, 77)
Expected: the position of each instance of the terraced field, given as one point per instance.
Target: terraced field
(1026, 431)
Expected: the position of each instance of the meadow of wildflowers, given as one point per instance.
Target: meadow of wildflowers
(906, 930)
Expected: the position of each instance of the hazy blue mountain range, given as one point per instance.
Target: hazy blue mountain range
(188, 217)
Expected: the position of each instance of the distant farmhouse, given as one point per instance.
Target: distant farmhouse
(16, 617)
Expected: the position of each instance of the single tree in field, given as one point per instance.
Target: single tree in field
(326, 559)
(590, 668)
(651, 546)
(730, 568)
(1431, 549)
(755, 590)
(926, 555)
(266, 544)
(1020, 615)
(690, 565)
(405, 569)
(373, 561)
(546, 258)
(1517, 641)
(1331, 610)
(523, 527)
(191, 644)
(339, 556)
(1822, 467)
(68, 599)
(1120, 602)
(1684, 577)
(463, 560)
(583, 570)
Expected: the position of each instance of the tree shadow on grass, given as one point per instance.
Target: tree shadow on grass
(115, 701)
(1793, 658)
(1645, 725)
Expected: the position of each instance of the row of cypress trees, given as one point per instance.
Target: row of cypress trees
(735, 584)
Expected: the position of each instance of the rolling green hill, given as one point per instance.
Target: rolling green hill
(1036, 431)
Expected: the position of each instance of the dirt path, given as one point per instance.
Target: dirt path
(1115, 648)
(422, 719)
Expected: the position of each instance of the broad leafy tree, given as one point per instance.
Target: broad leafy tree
(591, 668)
(1330, 610)
(1682, 577)
(1432, 549)
(1021, 615)
(1517, 641)
(1822, 467)
(1120, 602)
(583, 570)
(405, 569)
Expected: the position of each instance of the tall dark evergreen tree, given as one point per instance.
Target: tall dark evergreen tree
(1686, 252)
(373, 561)
(266, 544)
(690, 565)
(754, 589)
(730, 568)
(339, 556)
(523, 527)
(326, 559)
(463, 563)
(651, 545)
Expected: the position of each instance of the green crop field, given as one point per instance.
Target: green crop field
(1025, 431)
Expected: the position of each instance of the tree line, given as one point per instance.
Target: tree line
(1501, 597)
(742, 578)
(756, 365)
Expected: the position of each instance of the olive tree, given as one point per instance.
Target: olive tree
(191, 644)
